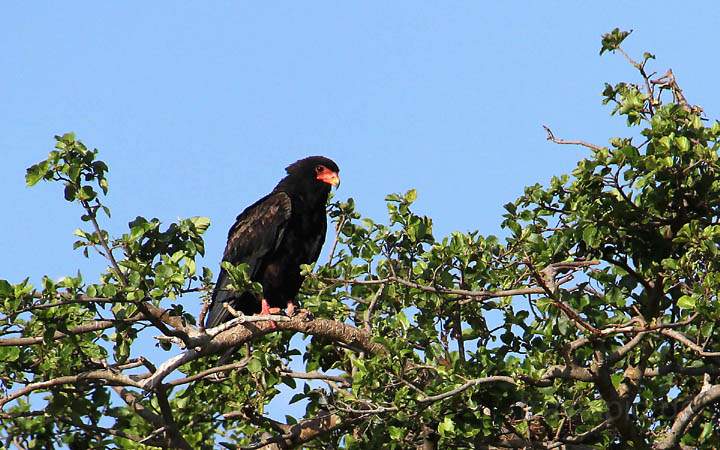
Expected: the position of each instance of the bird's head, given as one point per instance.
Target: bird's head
(318, 170)
(311, 178)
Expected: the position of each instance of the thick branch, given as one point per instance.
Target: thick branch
(573, 372)
(300, 433)
(708, 395)
(247, 331)
(172, 429)
(617, 408)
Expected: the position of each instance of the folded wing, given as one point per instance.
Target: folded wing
(256, 234)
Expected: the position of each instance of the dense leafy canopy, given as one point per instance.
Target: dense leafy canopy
(593, 324)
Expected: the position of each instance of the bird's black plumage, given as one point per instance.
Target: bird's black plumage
(274, 236)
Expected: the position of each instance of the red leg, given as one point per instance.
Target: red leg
(265, 309)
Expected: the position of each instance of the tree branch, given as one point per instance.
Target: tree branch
(708, 395)
(90, 327)
(466, 386)
(111, 378)
(551, 137)
(247, 331)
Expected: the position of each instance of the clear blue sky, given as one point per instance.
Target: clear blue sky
(198, 107)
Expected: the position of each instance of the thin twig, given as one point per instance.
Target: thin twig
(551, 137)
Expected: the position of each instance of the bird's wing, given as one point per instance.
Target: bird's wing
(257, 232)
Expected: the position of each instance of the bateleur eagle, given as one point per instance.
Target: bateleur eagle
(274, 236)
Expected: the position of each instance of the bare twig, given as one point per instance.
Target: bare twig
(336, 239)
(224, 368)
(316, 376)
(466, 386)
(551, 137)
(371, 308)
(676, 335)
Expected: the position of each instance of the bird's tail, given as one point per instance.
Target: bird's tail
(244, 302)
(222, 294)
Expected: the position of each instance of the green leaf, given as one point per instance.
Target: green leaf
(9, 354)
(683, 143)
(86, 193)
(6, 289)
(297, 398)
(70, 192)
(201, 223)
(396, 433)
(109, 290)
(36, 173)
(122, 350)
(254, 366)
(67, 138)
(612, 40)
(447, 426)
(411, 196)
(686, 302)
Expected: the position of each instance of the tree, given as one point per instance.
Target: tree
(591, 325)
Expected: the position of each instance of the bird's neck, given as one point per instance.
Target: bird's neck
(312, 195)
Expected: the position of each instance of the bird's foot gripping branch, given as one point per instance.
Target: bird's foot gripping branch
(592, 325)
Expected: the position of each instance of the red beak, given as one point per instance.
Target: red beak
(329, 177)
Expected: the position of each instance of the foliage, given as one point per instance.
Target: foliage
(593, 323)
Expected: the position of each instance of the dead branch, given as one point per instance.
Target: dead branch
(551, 137)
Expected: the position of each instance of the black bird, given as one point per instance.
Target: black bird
(274, 236)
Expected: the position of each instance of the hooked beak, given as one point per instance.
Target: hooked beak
(329, 177)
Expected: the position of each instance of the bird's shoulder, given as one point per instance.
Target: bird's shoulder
(261, 224)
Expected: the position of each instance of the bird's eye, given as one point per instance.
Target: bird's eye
(319, 169)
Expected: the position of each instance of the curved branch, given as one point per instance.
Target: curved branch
(300, 433)
(114, 379)
(234, 366)
(551, 137)
(81, 329)
(466, 386)
(482, 294)
(707, 396)
(687, 342)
